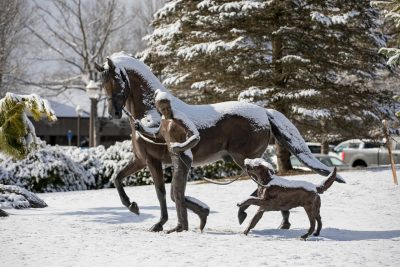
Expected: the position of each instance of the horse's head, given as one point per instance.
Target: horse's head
(116, 85)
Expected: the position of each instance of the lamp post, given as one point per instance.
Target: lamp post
(93, 92)
(79, 112)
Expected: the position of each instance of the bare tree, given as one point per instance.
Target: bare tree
(75, 34)
(13, 17)
(142, 19)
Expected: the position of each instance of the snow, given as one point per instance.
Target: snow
(19, 194)
(63, 110)
(203, 116)
(167, 9)
(160, 95)
(209, 48)
(313, 113)
(257, 162)
(201, 85)
(168, 31)
(361, 227)
(190, 139)
(293, 59)
(281, 182)
(333, 20)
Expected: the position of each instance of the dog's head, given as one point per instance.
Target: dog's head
(259, 169)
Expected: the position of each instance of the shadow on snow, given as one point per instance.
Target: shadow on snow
(328, 234)
(111, 215)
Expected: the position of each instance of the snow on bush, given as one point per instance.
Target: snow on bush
(12, 196)
(60, 168)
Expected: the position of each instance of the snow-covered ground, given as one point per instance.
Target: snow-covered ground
(361, 226)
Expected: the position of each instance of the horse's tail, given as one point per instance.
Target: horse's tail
(288, 135)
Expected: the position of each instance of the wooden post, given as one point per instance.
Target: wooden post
(389, 147)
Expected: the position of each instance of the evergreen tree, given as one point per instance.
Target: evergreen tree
(391, 10)
(311, 60)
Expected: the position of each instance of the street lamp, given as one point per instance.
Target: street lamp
(79, 112)
(93, 92)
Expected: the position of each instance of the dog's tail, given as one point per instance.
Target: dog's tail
(327, 183)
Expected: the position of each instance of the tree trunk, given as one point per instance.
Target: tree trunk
(324, 147)
(283, 158)
(282, 154)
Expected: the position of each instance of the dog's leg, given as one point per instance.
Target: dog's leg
(252, 201)
(285, 224)
(311, 217)
(254, 221)
(242, 210)
(318, 216)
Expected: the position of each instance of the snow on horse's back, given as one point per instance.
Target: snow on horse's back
(203, 116)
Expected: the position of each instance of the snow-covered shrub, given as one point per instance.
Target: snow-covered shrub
(60, 168)
(218, 169)
(12, 196)
(46, 170)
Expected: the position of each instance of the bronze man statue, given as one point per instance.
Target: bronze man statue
(180, 135)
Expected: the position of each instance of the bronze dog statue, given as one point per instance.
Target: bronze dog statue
(278, 194)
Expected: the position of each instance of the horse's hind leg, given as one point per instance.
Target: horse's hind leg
(132, 167)
(155, 168)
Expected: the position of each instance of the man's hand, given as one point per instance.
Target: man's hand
(176, 149)
(138, 126)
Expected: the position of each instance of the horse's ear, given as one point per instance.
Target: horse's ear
(110, 64)
(98, 67)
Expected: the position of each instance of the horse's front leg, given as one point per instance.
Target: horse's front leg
(132, 167)
(155, 168)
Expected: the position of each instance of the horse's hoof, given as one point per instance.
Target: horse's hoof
(203, 219)
(177, 229)
(156, 228)
(133, 207)
(241, 216)
(284, 225)
(304, 237)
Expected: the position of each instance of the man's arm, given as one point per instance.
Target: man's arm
(190, 142)
(146, 131)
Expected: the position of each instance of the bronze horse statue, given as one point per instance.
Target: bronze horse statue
(229, 130)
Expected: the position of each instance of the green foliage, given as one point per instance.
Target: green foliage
(17, 135)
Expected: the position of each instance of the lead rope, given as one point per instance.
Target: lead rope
(155, 143)
(210, 180)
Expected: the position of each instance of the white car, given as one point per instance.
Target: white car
(328, 160)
